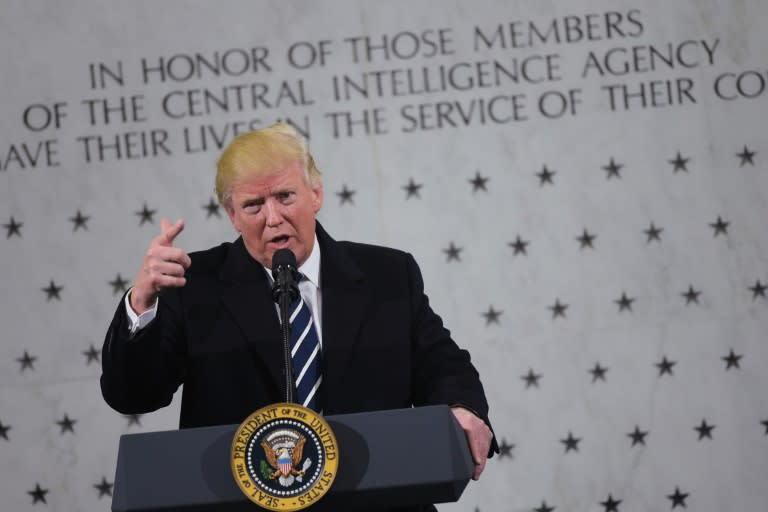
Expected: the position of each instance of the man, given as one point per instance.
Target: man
(208, 320)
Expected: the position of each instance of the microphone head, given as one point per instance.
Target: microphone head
(283, 258)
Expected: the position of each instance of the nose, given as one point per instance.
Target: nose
(273, 213)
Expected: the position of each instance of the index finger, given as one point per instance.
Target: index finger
(168, 231)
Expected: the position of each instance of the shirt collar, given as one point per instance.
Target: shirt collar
(310, 268)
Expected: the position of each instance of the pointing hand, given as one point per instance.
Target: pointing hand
(163, 267)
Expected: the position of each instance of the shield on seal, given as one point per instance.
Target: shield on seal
(284, 462)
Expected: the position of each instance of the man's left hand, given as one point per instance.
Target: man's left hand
(479, 437)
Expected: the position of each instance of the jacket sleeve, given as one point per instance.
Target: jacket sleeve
(141, 373)
(443, 372)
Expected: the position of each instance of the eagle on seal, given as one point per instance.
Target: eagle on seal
(285, 460)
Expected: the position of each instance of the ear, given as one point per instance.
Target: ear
(317, 197)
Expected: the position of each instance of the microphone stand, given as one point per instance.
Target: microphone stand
(285, 327)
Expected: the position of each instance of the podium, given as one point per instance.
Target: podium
(391, 458)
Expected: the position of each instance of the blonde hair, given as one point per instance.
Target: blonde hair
(260, 152)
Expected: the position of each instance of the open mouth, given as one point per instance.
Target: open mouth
(279, 240)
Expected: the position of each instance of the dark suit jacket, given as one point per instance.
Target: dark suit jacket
(383, 346)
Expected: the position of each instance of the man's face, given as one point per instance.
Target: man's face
(276, 211)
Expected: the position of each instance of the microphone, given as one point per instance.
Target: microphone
(285, 290)
(285, 275)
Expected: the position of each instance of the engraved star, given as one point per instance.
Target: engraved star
(104, 488)
(720, 226)
(345, 195)
(586, 239)
(479, 182)
(27, 361)
(746, 156)
(544, 508)
(146, 215)
(412, 189)
(119, 285)
(679, 163)
(505, 449)
(653, 233)
(758, 290)
(558, 309)
(545, 176)
(91, 354)
(79, 221)
(610, 504)
(571, 443)
(13, 228)
(678, 498)
(624, 302)
(531, 379)
(691, 295)
(638, 436)
(452, 252)
(612, 169)
(519, 246)
(491, 316)
(38, 494)
(211, 209)
(52, 291)
(704, 430)
(732, 361)
(67, 424)
(665, 366)
(598, 372)
(133, 419)
(4, 430)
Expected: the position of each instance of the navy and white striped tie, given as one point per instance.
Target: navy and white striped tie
(305, 351)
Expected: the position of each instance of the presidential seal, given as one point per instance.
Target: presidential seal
(284, 457)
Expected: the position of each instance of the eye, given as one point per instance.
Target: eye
(286, 196)
(253, 206)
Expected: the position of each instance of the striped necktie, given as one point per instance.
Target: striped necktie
(305, 351)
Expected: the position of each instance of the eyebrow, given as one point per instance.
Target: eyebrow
(251, 199)
(282, 189)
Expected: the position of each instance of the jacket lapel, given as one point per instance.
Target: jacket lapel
(246, 293)
(345, 300)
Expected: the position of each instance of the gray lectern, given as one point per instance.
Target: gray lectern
(387, 459)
